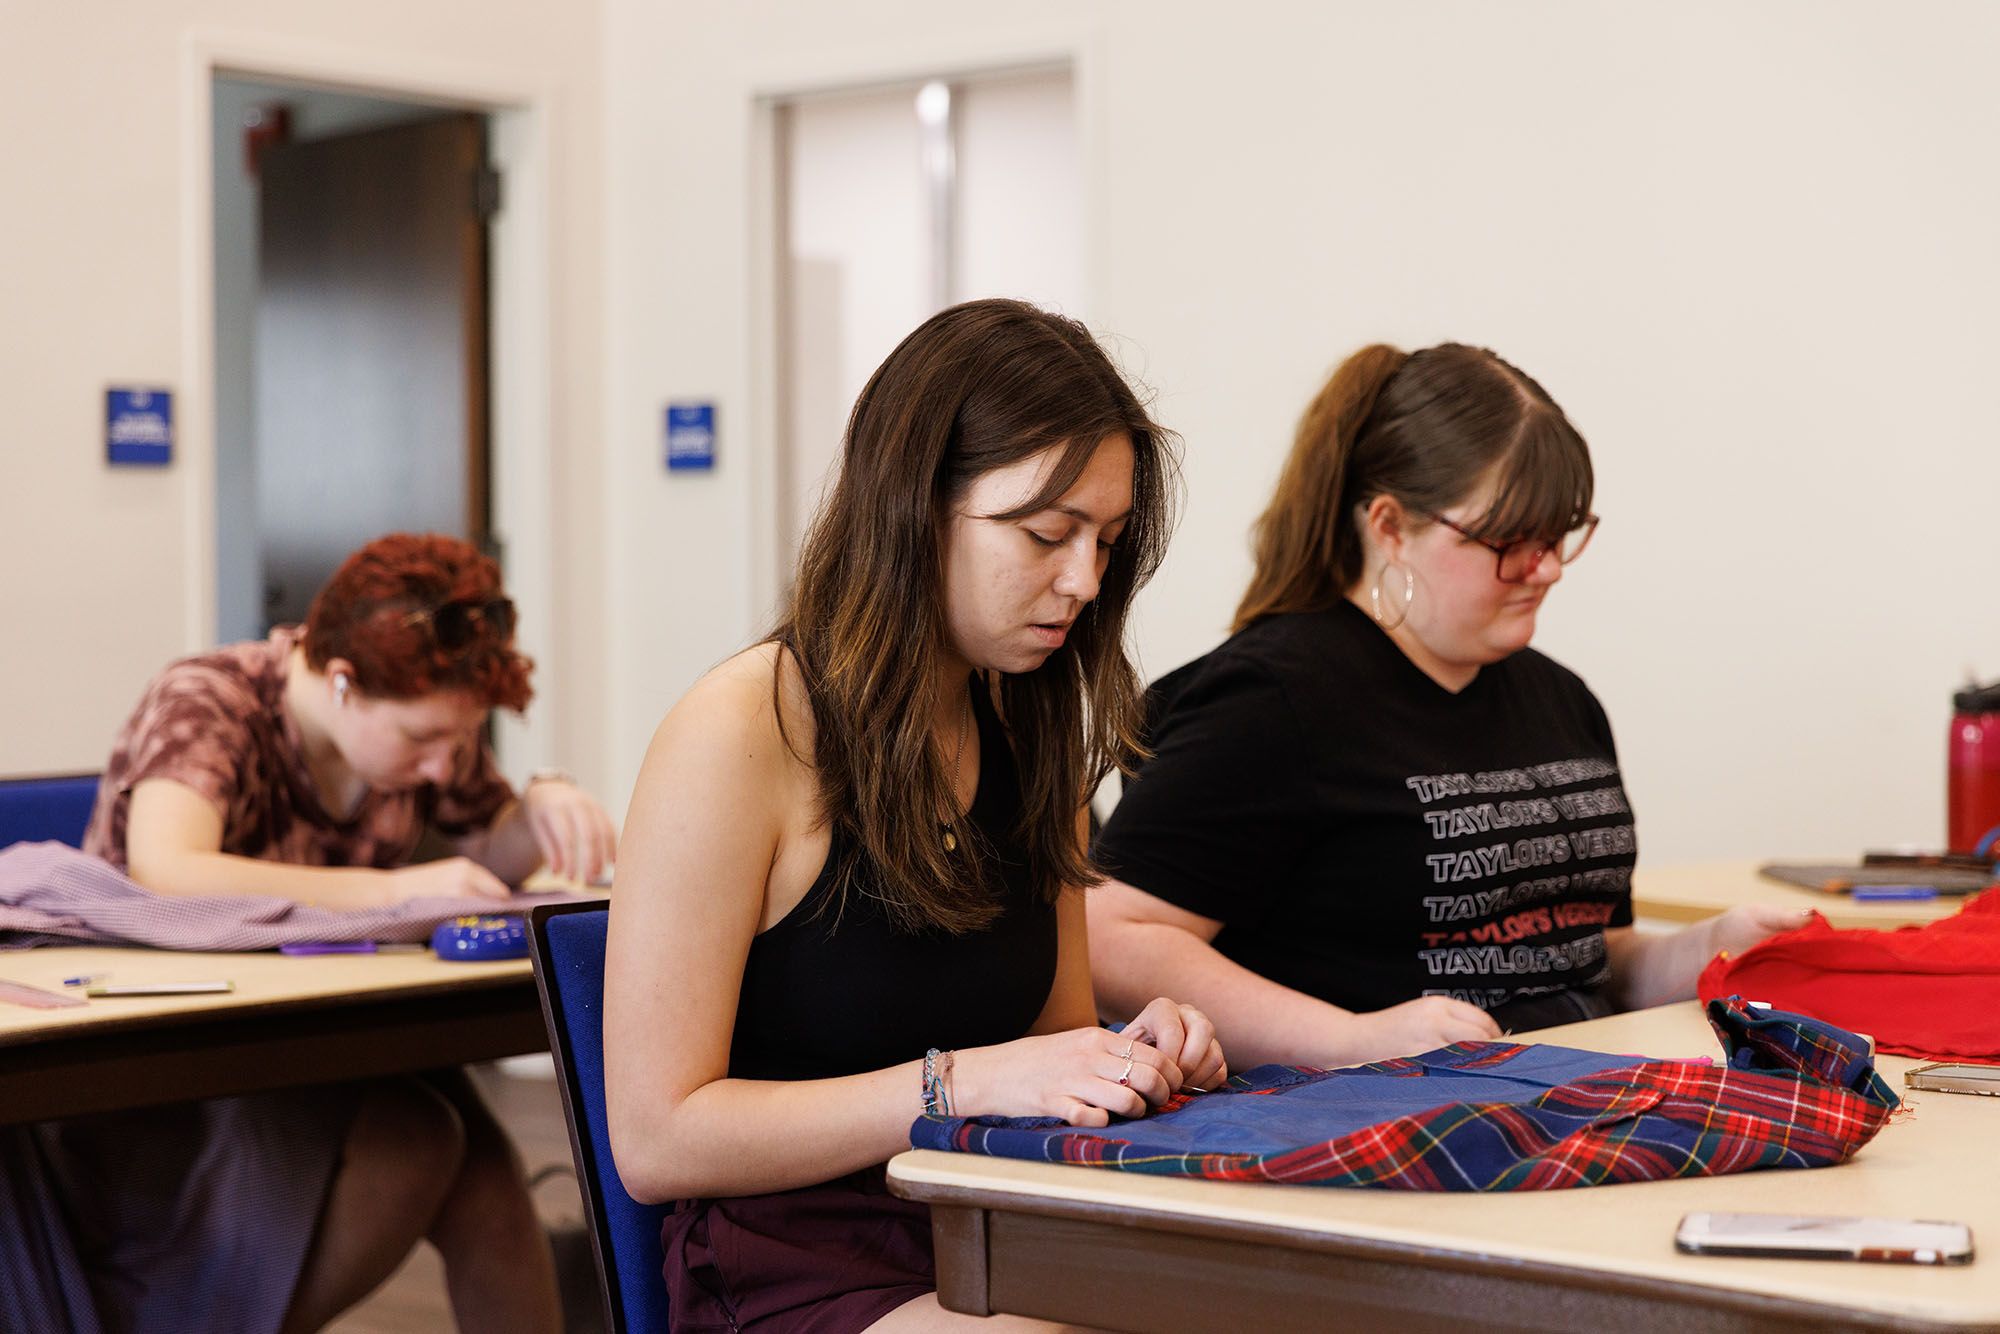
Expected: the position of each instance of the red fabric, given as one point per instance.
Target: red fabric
(1931, 990)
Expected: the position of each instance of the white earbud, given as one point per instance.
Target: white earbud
(340, 687)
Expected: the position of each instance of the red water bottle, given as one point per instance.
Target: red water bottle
(1972, 787)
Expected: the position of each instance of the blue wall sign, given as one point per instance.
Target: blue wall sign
(690, 436)
(139, 426)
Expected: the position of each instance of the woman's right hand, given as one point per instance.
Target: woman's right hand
(1420, 1025)
(446, 878)
(1072, 1075)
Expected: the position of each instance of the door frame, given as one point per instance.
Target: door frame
(521, 369)
(1076, 47)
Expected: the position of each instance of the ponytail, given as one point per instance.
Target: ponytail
(1306, 546)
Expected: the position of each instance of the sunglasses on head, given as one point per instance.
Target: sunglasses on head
(456, 625)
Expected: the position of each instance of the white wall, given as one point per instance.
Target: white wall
(1748, 246)
(105, 574)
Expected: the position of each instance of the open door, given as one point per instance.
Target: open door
(371, 347)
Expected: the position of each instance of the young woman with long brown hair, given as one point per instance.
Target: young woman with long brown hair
(850, 881)
(1376, 821)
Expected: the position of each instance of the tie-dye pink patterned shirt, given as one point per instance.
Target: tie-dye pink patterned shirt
(217, 723)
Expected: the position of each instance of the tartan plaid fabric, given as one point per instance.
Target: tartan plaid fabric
(1492, 1116)
(1759, 1037)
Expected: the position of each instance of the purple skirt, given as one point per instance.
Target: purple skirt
(196, 1215)
(825, 1259)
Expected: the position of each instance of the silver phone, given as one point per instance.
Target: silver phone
(1808, 1237)
(1954, 1077)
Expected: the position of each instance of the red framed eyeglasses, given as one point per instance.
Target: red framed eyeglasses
(1513, 562)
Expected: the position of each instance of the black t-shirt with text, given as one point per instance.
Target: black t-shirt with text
(1365, 835)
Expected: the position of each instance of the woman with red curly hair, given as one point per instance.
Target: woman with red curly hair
(310, 765)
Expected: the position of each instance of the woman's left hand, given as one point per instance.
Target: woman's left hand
(1741, 927)
(1184, 1036)
(572, 832)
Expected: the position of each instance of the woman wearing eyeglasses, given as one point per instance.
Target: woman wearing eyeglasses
(1376, 821)
(308, 766)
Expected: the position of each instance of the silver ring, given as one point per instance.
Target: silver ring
(1125, 1055)
(1125, 1075)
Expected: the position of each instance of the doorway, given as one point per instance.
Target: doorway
(352, 339)
(894, 201)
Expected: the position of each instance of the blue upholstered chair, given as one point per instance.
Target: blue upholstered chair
(624, 1234)
(34, 810)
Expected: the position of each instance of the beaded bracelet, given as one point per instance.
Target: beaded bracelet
(937, 1082)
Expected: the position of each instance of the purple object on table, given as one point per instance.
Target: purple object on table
(328, 947)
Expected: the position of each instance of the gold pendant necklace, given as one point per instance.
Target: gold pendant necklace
(957, 754)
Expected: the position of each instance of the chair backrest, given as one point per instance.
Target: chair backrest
(33, 810)
(624, 1234)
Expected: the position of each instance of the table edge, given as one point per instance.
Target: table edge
(250, 1009)
(1460, 1259)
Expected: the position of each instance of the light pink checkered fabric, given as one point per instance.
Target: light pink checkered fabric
(52, 894)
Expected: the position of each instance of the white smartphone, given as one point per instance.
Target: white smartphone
(1804, 1237)
(1954, 1077)
(158, 988)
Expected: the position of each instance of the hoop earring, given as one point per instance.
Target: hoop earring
(1375, 599)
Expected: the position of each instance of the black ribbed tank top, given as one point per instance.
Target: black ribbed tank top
(828, 993)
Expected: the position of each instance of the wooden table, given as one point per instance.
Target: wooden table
(1691, 892)
(290, 1021)
(1130, 1252)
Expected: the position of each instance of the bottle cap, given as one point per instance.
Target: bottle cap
(1977, 699)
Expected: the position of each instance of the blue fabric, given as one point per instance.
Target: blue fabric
(569, 965)
(1316, 1105)
(1488, 1116)
(35, 810)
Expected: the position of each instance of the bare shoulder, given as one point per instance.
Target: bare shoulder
(728, 723)
(718, 799)
(754, 672)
